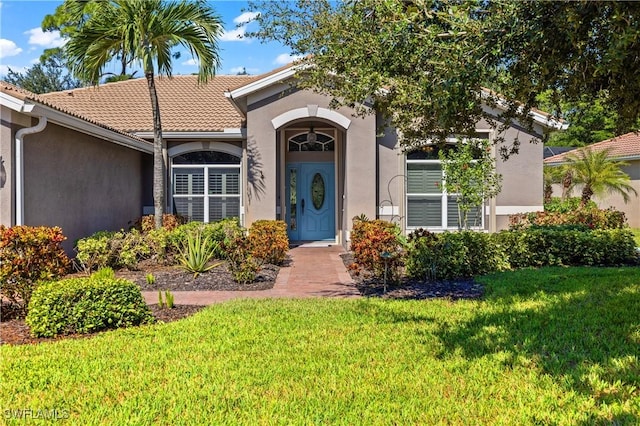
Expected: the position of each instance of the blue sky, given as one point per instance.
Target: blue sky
(22, 40)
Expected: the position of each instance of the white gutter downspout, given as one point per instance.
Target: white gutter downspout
(42, 123)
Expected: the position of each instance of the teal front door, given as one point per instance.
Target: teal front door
(310, 201)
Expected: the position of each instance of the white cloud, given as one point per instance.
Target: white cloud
(191, 62)
(46, 39)
(286, 58)
(34, 61)
(245, 18)
(8, 48)
(234, 35)
(4, 70)
(237, 34)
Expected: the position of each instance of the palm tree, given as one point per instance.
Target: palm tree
(599, 174)
(144, 32)
(552, 175)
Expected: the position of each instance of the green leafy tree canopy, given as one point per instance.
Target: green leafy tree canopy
(424, 64)
(49, 75)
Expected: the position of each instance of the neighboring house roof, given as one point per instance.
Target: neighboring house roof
(185, 105)
(624, 147)
(25, 101)
(550, 151)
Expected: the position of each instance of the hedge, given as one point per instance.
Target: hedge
(86, 305)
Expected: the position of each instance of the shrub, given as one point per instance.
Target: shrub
(452, 255)
(94, 251)
(558, 205)
(371, 238)
(120, 249)
(242, 265)
(29, 255)
(547, 247)
(86, 305)
(586, 217)
(197, 252)
(268, 241)
(226, 230)
(169, 222)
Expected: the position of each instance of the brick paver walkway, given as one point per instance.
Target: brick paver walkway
(313, 272)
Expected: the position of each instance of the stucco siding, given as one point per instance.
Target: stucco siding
(522, 183)
(359, 156)
(80, 183)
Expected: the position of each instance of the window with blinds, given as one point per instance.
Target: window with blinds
(206, 192)
(428, 205)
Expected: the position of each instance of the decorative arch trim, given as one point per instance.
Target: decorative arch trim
(205, 146)
(311, 111)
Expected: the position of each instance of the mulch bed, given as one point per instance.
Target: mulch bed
(174, 278)
(14, 331)
(369, 286)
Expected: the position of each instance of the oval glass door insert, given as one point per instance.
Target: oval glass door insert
(317, 191)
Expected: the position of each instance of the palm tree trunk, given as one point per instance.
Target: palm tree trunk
(587, 192)
(159, 173)
(567, 181)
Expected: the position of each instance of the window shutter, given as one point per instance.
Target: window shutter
(424, 178)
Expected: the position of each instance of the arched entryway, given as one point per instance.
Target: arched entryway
(310, 181)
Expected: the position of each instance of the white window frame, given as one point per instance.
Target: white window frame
(211, 146)
(206, 196)
(444, 205)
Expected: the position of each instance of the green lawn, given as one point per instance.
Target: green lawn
(551, 346)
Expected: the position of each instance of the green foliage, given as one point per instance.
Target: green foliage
(598, 174)
(49, 75)
(590, 121)
(219, 232)
(196, 254)
(29, 255)
(370, 239)
(471, 174)
(144, 32)
(122, 249)
(151, 279)
(268, 240)
(552, 346)
(127, 248)
(568, 205)
(168, 301)
(86, 305)
(242, 265)
(435, 58)
(452, 255)
(581, 218)
(570, 247)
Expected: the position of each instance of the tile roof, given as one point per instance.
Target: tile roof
(184, 104)
(25, 95)
(624, 146)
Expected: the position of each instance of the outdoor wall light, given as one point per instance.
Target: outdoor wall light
(311, 136)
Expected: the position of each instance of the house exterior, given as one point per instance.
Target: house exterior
(623, 148)
(253, 147)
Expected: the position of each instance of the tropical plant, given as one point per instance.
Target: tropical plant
(598, 173)
(145, 31)
(470, 174)
(197, 252)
